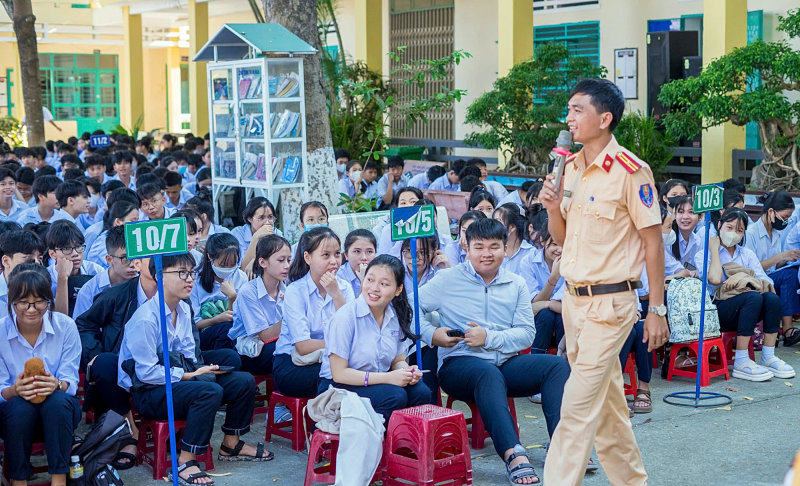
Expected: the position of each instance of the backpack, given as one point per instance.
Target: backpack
(101, 445)
(683, 311)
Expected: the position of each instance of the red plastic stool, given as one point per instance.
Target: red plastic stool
(427, 445)
(324, 447)
(710, 369)
(632, 386)
(478, 434)
(290, 429)
(37, 450)
(159, 431)
(269, 387)
(80, 394)
(729, 338)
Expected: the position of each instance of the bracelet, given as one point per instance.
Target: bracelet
(366, 379)
(550, 283)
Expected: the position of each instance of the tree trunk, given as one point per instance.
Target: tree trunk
(300, 17)
(21, 13)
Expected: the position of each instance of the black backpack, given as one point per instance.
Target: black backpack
(101, 445)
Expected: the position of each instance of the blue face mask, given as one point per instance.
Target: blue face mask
(309, 227)
(182, 169)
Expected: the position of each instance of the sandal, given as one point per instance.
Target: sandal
(791, 337)
(750, 371)
(647, 408)
(190, 481)
(688, 362)
(778, 367)
(121, 466)
(233, 453)
(522, 470)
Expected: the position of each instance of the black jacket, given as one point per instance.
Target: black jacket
(101, 327)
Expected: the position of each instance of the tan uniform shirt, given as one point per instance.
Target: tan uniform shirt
(604, 206)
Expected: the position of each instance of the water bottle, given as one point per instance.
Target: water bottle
(75, 469)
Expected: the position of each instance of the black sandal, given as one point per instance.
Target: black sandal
(121, 466)
(522, 470)
(190, 481)
(233, 453)
(790, 339)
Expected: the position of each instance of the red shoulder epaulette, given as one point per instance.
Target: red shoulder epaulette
(628, 162)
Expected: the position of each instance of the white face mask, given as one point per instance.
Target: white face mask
(93, 200)
(222, 272)
(670, 238)
(730, 238)
(341, 168)
(355, 175)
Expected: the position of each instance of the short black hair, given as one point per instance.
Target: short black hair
(469, 183)
(189, 216)
(172, 261)
(111, 186)
(179, 155)
(6, 172)
(350, 165)
(470, 170)
(93, 160)
(63, 233)
(151, 179)
(123, 194)
(73, 173)
(341, 154)
(371, 164)
(395, 161)
(173, 179)
(458, 165)
(25, 175)
(148, 190)
(143, 169)
(606, 97)
(91, 182)
(68, 189)
(121, 156)
(435, 172)
(6, 226)
(20, 241)
(44, 185)
(47, 170)
(115, 239)
(71, 159)
(486, 229)
(190, 146)
(23, 152)
(734, 184)
(476, 162)
(196, 160)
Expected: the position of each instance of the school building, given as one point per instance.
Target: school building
(105, 62)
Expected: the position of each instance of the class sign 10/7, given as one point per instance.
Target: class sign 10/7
(158, 237)
(412, 222)
(707, 198)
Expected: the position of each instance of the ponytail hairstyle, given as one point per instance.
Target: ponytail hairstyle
(118, 210)
(733, 214)
(676, 247)
(29, 279)
(266, 247)
(309, 242)
(400, 303)
(480, 194)
(189, 216)
(511, 214)
(354, 236)
(668, 187)
(777, 201)
(428, 245)
(219, 246)
(536, 218)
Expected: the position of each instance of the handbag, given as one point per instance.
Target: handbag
(249, 346)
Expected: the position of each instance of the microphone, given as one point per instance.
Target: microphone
(563, 144)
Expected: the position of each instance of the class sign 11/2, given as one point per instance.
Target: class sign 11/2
(707, 198)
(145, 239)
(412, 222)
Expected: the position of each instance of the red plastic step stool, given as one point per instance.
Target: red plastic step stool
(323, 449)
(159, 431)
(427, 445)
(632, 386)
(290, 429)
(80, 394)
(270, 386)
(710, 369)
(478, 433)
(37, 450)
(729, 338)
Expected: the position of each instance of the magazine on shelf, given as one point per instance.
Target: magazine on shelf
(277, 165)
(255, 82)
(261, 170)
(284, 86)
(244, 86)
(222, 124)
(220, 88)
(249, 165)
(228, 169)
(291, 170)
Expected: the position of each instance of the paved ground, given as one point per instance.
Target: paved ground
(751, 444)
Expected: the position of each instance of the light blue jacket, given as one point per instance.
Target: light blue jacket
(503, 308)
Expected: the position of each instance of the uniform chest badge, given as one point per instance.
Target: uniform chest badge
(567, 193)
(646, 195)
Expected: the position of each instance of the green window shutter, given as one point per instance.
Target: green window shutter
(581, 39)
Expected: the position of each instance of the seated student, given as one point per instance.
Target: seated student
(73, 197)
(258, 310)
(350, 184)
(456, 251)
(66, 248)
(10, 207)
(342, 158)
(394, 246)
(730, 199)
(483, 367)
(259, 217)
(111, 198)
(681, 244)
(193, 164)
(365, 345)
(71, 161)
(194, 226)
(176, 194)
(123, 164)
(763, 239)
(26, 156)
(670, 191)
(406, 197)
(314, 294)
(152, 203)
(423, 180)
(470, 183)
(218, 282)
(46, 209)
(313, 214)
(203, 205)
(517, 196)
(392, 181)
(35, 331)
(741, 312)
(120, 269)
(670, 238)
(495, 188)
(369, 184)
(481, 200)
(16, 247)
(734, 184)
(121, 212)
(359, 250)
(25, 179)
(198, 389)
(72, 174)
(96, 169)
(87, 219)
(517, 246)
(451, 180)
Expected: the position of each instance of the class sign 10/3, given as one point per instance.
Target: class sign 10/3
(707, 198)
(158, 237)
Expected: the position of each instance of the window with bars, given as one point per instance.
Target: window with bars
(563, 5)
(582, 39)
(401, 6)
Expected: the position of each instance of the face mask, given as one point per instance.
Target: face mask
(355, 175)
(730, 238)
(669, 239)
(182, 169)
(93, 200)
(222, 272)
(341, 168)
(671, 201)
(309, 227)
(779, 224)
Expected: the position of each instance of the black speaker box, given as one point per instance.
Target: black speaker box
(665, 53)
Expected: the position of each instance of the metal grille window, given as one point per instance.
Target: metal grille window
(563, 5)
(427, 34)
(401, 6)
(582, 39)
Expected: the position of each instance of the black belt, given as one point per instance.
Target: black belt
(591, 290)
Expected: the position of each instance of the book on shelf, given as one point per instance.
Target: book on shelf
(285, 86)
(287, 125)
(249, 165)
(261, 170)
(222, 124)
(277, 165)
(256, 125)
(220, 88)
(291, 170)
(244, 86)
(255, 82)
(228, 169)
(231, 126)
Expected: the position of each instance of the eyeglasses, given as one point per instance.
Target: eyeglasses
(122, 259)
(268, 219)
(39, 305)
(184, 274)
(421, 255)
(67, 250)
(151, 203)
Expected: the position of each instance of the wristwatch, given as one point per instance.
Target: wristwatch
(59, 385)
(659, 310)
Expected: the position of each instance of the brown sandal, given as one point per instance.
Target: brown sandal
(648, 400)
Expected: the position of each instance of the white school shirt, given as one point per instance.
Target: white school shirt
(58, 346)
(496, 189)
(3, 296)
(455, 253)
(84, 220)
(511, 197)
(87, 268)
(255, 310)
(383, 183)
(443, 184)
(92, 232)
(354, 335)
(31, 215)
(512, 263)
(347, 187)
(89, 291)
(305, 313)
(215, 228)
(741, 255)
(371, 192)
(131, 186)
(408, 283)
(535, 272)
(244, 235)
(183, 196)
(142, 343)
(97, 252)
(420, 181)
(757, 240)
(16, 208)
(199, 296)
(688, 250)
(347, 273)
(168, 212)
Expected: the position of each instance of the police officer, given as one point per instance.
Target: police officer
(606, 216)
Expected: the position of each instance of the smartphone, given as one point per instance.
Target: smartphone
(201, 245)
(225, 369)
(455, 333)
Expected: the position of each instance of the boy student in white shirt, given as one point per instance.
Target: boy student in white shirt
(96, 169)
(123, 165)
(423, 180)
(176, 194)
(46, 209)
(451, 181)
(392, 181)
(66, 246)
(120, 269)
(16, 248)
(88, 219)
(25, 178)
(369, 184)
(73, 197)
(153, 202)
(9, 206)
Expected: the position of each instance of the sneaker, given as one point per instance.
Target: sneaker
(750, 371)
(282, 414)
(778, 367)
(536, 398)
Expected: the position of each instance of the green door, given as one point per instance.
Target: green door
(755, 30)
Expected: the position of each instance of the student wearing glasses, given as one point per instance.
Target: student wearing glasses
(120, 213)
(152, 196)
(260, 222)
(66, 247)
(16, 247)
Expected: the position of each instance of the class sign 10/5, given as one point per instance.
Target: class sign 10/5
(158, 237)
(707, 198)
(412, 222)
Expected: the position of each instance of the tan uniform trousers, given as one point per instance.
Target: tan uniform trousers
(594, 410)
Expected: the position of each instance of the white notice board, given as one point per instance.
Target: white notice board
(626, 71)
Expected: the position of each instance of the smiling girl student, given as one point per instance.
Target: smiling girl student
(354, 362)
(764, 238)
(456, 251)
(312, 297)
(120, 213)
(739, 310)
(259, 216)
(517, 247)
(359, 251)
(482, 200)
(670, 191)
(681, 244)
(218, 281)
(313, 214)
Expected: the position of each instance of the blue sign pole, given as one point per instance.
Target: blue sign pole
(416, 297)
(167, 368)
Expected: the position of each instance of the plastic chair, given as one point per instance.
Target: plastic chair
(710, 368)
(478, 433)
(265, 397)
(158, 430)
(630, 369)
(322, 450)
(290, 429)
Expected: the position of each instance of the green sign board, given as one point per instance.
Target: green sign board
(413, 222)
(707, 198)
(157, 237)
